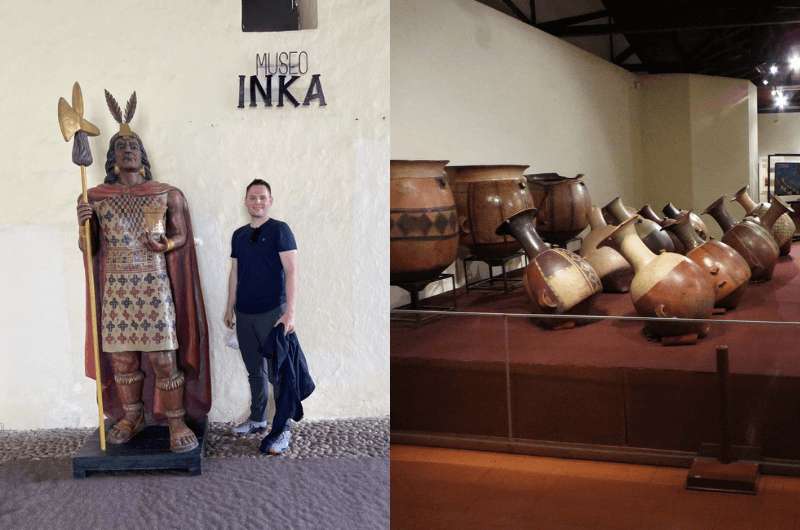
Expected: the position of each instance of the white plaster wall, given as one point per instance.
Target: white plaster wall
(474, 86)
(699, 139)
(667, 144)
(722, 160)
(328, 168)
(778, 133)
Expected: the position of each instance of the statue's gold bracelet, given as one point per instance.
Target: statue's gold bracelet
(170, 245)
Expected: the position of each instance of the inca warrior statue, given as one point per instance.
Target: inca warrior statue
(148, 292)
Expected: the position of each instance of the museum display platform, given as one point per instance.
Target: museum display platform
(147, 451)
(601, 390)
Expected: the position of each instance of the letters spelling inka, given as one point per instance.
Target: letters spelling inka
(281, 63)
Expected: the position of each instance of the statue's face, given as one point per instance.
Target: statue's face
(258, 200)
(127, 154)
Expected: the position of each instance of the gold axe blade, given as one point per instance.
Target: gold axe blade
(70, 118)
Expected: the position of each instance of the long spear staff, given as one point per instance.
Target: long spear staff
(70, 119)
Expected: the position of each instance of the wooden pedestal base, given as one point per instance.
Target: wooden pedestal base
(709, 474)
(147, 451)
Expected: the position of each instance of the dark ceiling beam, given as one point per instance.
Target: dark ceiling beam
(623, 56)
(533, 12)
(680, 50)
(603, 29)
(710, 47)
(552, 26)
(517, 11)
(653, 67)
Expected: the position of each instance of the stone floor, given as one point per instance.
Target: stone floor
(336, 475)
(362, 437)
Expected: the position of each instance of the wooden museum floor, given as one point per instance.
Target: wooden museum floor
(455, 489)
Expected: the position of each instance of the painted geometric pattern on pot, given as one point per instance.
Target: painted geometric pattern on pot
(583, 267)
(423, 223)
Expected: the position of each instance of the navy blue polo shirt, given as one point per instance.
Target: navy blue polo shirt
(260, 280)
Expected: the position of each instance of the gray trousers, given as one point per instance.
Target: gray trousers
(252, 332)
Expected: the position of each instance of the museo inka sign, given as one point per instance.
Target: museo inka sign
(274, 81)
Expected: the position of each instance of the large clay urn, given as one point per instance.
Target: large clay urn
(556, 280)
(699, 226)
(647, 212)
(726, 269)
(614, 270)
(423, 223)
(749, 238)
(782, 226)
(650, 231)
(563, 205)
(665, 285)
(485, 197)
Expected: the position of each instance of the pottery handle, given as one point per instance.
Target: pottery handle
(465, 228)
(442, 181)
(660, 311)
(545, 300)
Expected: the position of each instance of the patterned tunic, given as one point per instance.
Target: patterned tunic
(138, 313)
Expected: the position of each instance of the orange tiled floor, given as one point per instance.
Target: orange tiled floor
(454, 489)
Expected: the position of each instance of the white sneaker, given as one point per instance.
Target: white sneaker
(281, 443)
(249, 427)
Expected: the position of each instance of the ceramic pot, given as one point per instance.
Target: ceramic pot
(665, 285)
(485, 197)
(672, 212)
(647, 212)
(749, 238)
(782, 228)
(614, 270)
(563, 205)
(423, 224)
(726, 269)
(650, 231)
(556, 280)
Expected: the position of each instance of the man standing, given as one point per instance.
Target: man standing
(262, 288)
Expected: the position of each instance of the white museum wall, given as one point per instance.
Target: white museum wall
(699, 139)
(474, 86)
(328, 168)
(724, 139)
(666, 144)
(778, 133)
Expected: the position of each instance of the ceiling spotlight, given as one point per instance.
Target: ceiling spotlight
(764, 82)
(794, 63)
(781, 100)
(773, 69)
(774, 92)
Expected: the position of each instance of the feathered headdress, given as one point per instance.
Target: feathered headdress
(116, 112)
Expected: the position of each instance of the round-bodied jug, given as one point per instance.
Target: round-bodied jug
(556, 280)
(665, 285)
(614, 270)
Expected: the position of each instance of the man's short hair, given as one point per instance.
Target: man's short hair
(258, 182)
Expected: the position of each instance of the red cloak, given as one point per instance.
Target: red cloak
(190, 317)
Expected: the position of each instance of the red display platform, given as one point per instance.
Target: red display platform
(600, 388)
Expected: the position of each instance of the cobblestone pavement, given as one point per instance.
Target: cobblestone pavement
(346, 438)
